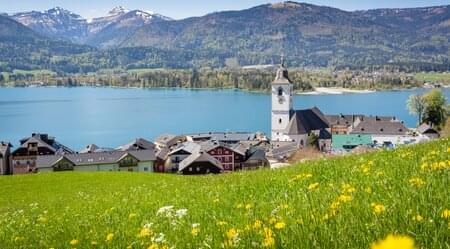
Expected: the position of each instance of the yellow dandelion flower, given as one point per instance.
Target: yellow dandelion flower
(448, 150)
(74, 242)
(216, 200)
(153, 246)
(257, 224)
(145, 232)
(418, 218)
(347, 188)
(313, 186)
(269, 241)
(416, 181)
(445, 214)
(248, 206)
(109, 237)
(368, 190)
(335, 205)
(394, 242)
(280, 225)
(378, 208)
(195, 231)
(231, 233)
(272, 220)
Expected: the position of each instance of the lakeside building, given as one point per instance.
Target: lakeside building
(23, 159)
(131, 161)
(5, 151)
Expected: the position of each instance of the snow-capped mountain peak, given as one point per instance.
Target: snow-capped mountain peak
(119, 10)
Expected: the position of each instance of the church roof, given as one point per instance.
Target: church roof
(304, 121)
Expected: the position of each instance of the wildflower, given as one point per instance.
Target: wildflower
(378, 208)
(239, 205)
(280, 225)
(347, 189)
(445, 214)
(248, 206)
(164, 210)
(231, 233)
(74, 242)
(109, 237)
(132, 216)
(368, 190)
(416, 181)
(145, 232)
(195, 231)
(94, 243)
(181, 212)
(335, 205)
(18, 238)
(418, 218)
(313, 186)
(394, 242)
(42, 220)
(232, 237)
(268, 241)
(216, 200)
(257, 224)
(153, 246)
(160, 238)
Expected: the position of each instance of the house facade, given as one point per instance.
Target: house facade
(23, 159)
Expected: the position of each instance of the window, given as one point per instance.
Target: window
(279, 121)
(145, 169)
(280, 91)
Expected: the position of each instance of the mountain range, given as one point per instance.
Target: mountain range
(309, 36)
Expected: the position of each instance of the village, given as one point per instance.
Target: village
(293, 131)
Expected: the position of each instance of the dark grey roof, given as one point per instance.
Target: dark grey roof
(304, 121)
(342, 119)
(324, 134)
(257, 155)
(200, 156)
(95, 158)
(162, 153)
(426, 128)
(374, 127)
(137, 144)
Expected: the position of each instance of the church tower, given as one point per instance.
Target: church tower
(282, 108)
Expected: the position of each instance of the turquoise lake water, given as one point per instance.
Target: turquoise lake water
(110, 117)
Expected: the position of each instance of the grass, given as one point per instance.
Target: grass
(347, 202)
(434, 77)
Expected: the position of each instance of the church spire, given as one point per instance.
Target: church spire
(282, 73)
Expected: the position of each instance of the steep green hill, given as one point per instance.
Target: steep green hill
(347, 202)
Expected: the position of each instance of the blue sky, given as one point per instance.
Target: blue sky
(185, 8)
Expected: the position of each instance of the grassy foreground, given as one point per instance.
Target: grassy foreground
(347, 202)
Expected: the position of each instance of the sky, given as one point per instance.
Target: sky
(179, 9)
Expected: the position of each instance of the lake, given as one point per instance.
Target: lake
(110, 117)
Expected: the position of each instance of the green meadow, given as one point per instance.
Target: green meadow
(347, 202)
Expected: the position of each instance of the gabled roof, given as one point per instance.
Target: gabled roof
(189, 147)
(137, 144)
(304, 121)
(168, 139)
(198, 157)
(162, 153)
(210, 145)
(95, 158)
(426, 128)
(374, 127)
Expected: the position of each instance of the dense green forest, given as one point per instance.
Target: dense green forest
(249, 79)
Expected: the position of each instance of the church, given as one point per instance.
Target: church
(291, 125)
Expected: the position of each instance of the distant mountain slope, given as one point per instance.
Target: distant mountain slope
(55, 23)
(308, 34)
(22, 48)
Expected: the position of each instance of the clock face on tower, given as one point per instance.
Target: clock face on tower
(280, 99)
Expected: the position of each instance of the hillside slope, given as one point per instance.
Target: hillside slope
(347, 202)
(309, 35)
(22, 48)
